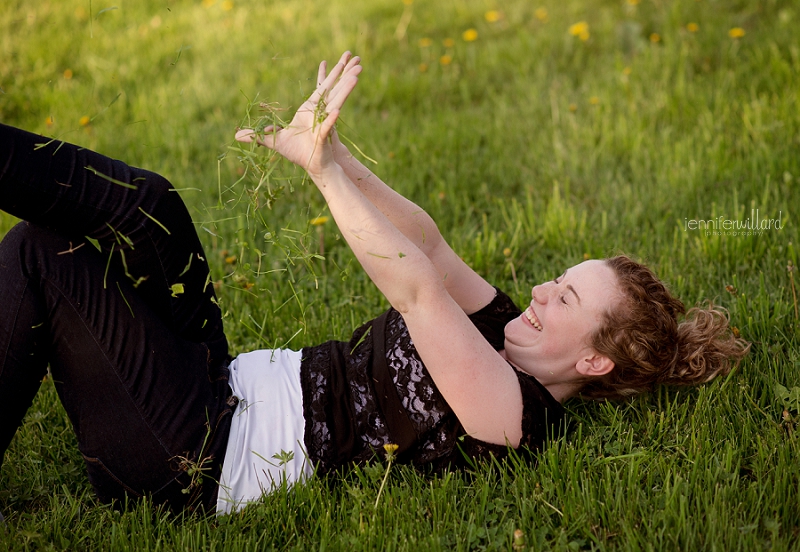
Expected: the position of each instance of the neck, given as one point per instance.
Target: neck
(561, 390)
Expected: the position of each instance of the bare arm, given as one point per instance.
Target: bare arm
(469, 290)
(476, 382)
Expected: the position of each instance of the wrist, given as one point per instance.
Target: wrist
(340, 151)
(323, 176)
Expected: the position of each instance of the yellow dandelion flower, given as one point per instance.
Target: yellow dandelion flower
(448, 42)
(423, 67)
(227, 5)
(507, 251)
(633, 2)
(408, 2)
(577, 28)
(49, 121)
(390, 449)
(519, 539)
(230, 259)
(736, 32)
(446, 60)
(470, 35)
(692, 27)
(573, 107)
(655, 37)
(627, 71)
(584, 36)
(85, 120)
(67, 74)
(209, 3)
(541, 14)
(425, 42)
(492, 16)
(594, 100)
(319, 221)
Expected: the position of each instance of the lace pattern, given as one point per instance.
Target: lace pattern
(368, 420)
(422, 400)
(434, 422)
(314, 374)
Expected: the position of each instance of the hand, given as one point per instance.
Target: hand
(305, 141)
(339, 149)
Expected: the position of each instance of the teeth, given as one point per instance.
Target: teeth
(532, 319)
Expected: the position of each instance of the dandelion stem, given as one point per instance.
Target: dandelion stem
(383, 483)
(794, 292)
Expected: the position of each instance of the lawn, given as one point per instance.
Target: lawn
(537, 134)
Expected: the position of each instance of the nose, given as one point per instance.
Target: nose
(539, 293)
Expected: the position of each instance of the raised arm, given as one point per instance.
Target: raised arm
(477, 383)
(469, 290)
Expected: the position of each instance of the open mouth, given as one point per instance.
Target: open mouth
(531, 316)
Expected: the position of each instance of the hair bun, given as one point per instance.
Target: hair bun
(647, 344)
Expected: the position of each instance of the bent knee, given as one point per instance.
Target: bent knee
(153, 186)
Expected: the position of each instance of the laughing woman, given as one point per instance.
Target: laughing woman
(145, 376)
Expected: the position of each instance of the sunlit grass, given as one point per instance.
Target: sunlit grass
(534, 146)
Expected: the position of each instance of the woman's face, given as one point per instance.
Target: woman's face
(551, 339)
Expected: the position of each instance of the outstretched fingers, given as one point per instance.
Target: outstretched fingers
(327, 83)
(327, 100)
(347, 61)
(341, 92)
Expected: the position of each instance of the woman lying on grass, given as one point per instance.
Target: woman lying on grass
(134, 340)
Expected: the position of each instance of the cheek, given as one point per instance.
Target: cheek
(569, 338)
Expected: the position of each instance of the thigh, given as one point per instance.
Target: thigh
(143, 406)
(136, 215)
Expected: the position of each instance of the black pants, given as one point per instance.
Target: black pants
(132, 332)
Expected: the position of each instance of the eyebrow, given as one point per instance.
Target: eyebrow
(572, 289)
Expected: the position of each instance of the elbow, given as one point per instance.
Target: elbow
(426, 290)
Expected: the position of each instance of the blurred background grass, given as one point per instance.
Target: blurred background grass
(536, 134)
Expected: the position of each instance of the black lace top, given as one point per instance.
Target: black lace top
(375, 390)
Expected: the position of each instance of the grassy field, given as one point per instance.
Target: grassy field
(537, 134)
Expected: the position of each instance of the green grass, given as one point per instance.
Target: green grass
(532, 149)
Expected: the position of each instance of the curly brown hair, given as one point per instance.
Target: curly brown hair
(650, 347)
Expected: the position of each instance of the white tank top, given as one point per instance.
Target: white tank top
(265, 446)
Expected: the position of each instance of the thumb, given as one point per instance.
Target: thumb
(248, 136)
(245, 135)
(326, 127)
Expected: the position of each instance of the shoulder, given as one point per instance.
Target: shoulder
(542, 414)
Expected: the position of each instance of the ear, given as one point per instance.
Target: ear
(594, 364)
